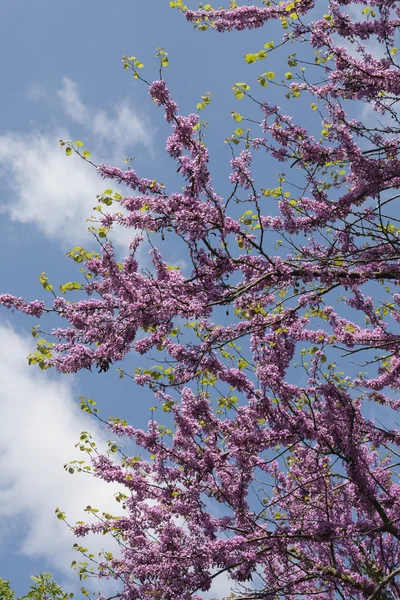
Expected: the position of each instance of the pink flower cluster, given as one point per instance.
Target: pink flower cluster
(279, 352)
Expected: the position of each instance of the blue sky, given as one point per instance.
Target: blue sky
(61, 77)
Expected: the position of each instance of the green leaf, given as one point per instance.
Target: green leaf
(68, 151)
(238, 118)
(78, 143)
(71, 285)
(45, 282)
(250, 58)
(86, 154)
(239, 89)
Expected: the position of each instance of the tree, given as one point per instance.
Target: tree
(43, 588)
(272, 468)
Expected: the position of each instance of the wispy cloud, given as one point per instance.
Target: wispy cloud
(122, 131)
(57, 193)
(72, 104)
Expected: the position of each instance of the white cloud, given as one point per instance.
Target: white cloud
(55, 192)
(47, 188)
(39, 427)
(122, 131)
(73, 106)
